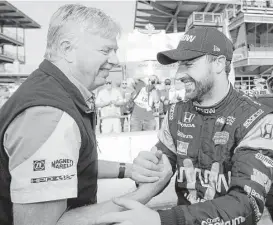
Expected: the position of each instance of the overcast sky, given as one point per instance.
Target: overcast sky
(41, 11)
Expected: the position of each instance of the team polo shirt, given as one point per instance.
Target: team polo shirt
(43, 144)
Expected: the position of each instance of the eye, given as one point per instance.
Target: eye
(105, 51)
(189, 65)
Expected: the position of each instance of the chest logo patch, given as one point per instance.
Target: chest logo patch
(220, 138)
(182, 147)
(188, 117)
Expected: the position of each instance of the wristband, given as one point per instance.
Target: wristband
(121, 170)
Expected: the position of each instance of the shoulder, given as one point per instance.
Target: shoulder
(37, 124)
(260, 136)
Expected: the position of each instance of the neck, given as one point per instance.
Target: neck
(216, 94)
(67, 70)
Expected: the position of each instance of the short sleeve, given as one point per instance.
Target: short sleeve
(43, 146)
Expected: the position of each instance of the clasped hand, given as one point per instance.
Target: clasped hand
(151, 170)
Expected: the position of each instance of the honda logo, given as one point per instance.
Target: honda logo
(267, 131)
(188, 117)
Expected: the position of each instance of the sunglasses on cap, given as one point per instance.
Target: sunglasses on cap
(108, 82)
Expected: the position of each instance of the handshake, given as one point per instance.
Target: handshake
(151, 169)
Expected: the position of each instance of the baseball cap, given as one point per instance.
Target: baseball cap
(197, 42)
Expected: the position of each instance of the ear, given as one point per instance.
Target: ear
(67, 50)
(220, 64)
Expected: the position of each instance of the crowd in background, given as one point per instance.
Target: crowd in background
(135, 104)
(140, 104)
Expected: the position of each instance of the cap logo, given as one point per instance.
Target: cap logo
(188, 38)
(216, 49)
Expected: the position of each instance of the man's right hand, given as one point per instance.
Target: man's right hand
(150, 167)
(164, 177)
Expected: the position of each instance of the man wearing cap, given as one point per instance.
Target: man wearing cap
(219, 141)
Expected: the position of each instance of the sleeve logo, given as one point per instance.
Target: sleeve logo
(265, 159)
(38, 165)
(52, 178)
(261, 179)
(252, 118)
(267, 131)
(62, 163)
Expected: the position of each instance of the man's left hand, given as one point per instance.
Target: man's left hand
(136, 214)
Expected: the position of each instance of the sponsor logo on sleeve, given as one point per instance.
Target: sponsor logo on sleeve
(38, 165)
(265, 159)
(220, 138)
(51, 179)
(252, 118)
(62, 163)
(261, 179)
(267, 131)
(219, 221)
(182, 147)
(253, 193)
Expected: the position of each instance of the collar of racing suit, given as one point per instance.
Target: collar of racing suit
(219, 107)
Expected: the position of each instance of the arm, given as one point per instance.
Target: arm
(108, 169)
(54, 212)
(147, 160)
(251, 177)
(42, 144)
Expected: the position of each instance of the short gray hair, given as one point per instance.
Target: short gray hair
(85, 18)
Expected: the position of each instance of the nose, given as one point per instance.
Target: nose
(113, 58)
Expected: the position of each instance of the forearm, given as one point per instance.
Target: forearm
(108, 169)
(87, 215)
(229, 209)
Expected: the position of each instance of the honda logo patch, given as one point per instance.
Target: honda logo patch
(188, 117)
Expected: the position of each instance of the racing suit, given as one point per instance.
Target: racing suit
(223, 157)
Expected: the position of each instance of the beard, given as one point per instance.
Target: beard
(198, 89)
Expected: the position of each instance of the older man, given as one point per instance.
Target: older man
(48, 156)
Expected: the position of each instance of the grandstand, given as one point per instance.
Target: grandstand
(13, 23)
(249, 22)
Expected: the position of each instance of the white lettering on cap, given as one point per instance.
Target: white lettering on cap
(187, 37)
